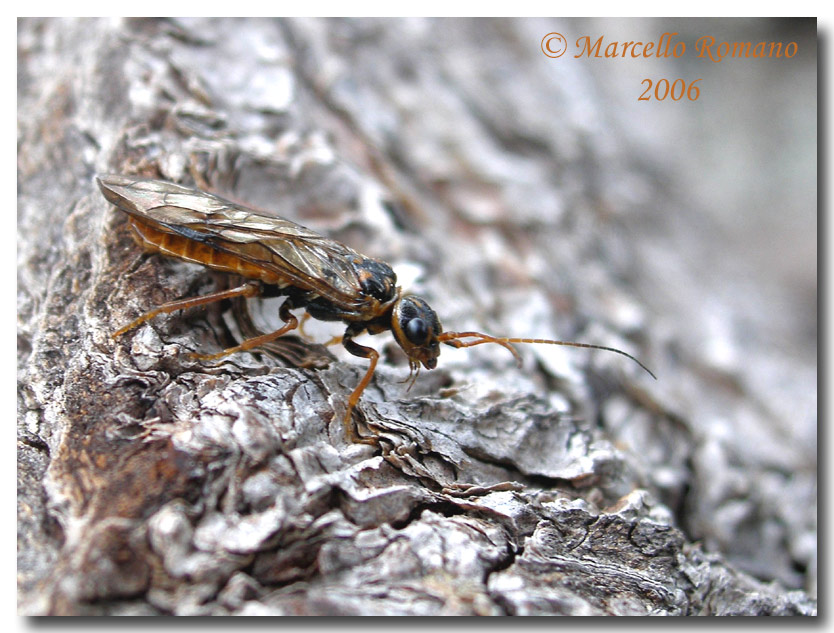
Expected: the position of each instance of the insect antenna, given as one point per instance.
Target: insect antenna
(454, 339)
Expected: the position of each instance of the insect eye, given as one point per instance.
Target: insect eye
(417, 331)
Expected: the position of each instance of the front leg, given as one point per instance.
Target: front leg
(363, 352)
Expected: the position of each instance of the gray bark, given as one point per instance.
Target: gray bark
(507, 190)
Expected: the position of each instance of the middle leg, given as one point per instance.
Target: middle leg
(290, 323)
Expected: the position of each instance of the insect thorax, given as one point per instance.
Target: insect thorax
(377, 279)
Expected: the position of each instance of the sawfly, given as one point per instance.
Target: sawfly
(277, 257)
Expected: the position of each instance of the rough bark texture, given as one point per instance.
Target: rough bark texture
(501, 187)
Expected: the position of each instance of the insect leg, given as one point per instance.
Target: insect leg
(292, 350)
(246, 290)
(363, 352)
(290, 323)
(304, 318)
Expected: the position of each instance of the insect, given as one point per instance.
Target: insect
(277, 257)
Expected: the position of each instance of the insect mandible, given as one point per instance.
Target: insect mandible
(331, 281)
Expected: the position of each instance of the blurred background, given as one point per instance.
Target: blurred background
(521, 195)
(727, 236)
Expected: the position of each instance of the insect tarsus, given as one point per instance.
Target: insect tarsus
(331, 281)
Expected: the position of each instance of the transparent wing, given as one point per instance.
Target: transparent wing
(306, 259)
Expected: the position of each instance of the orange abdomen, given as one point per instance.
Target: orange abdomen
(156, 241)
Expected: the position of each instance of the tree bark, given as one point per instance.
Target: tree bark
(500, 188)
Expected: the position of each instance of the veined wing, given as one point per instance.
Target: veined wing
(306, 259)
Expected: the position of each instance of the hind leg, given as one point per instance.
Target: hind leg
(249, 289)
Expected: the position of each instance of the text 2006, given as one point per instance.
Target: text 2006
(676, 90)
